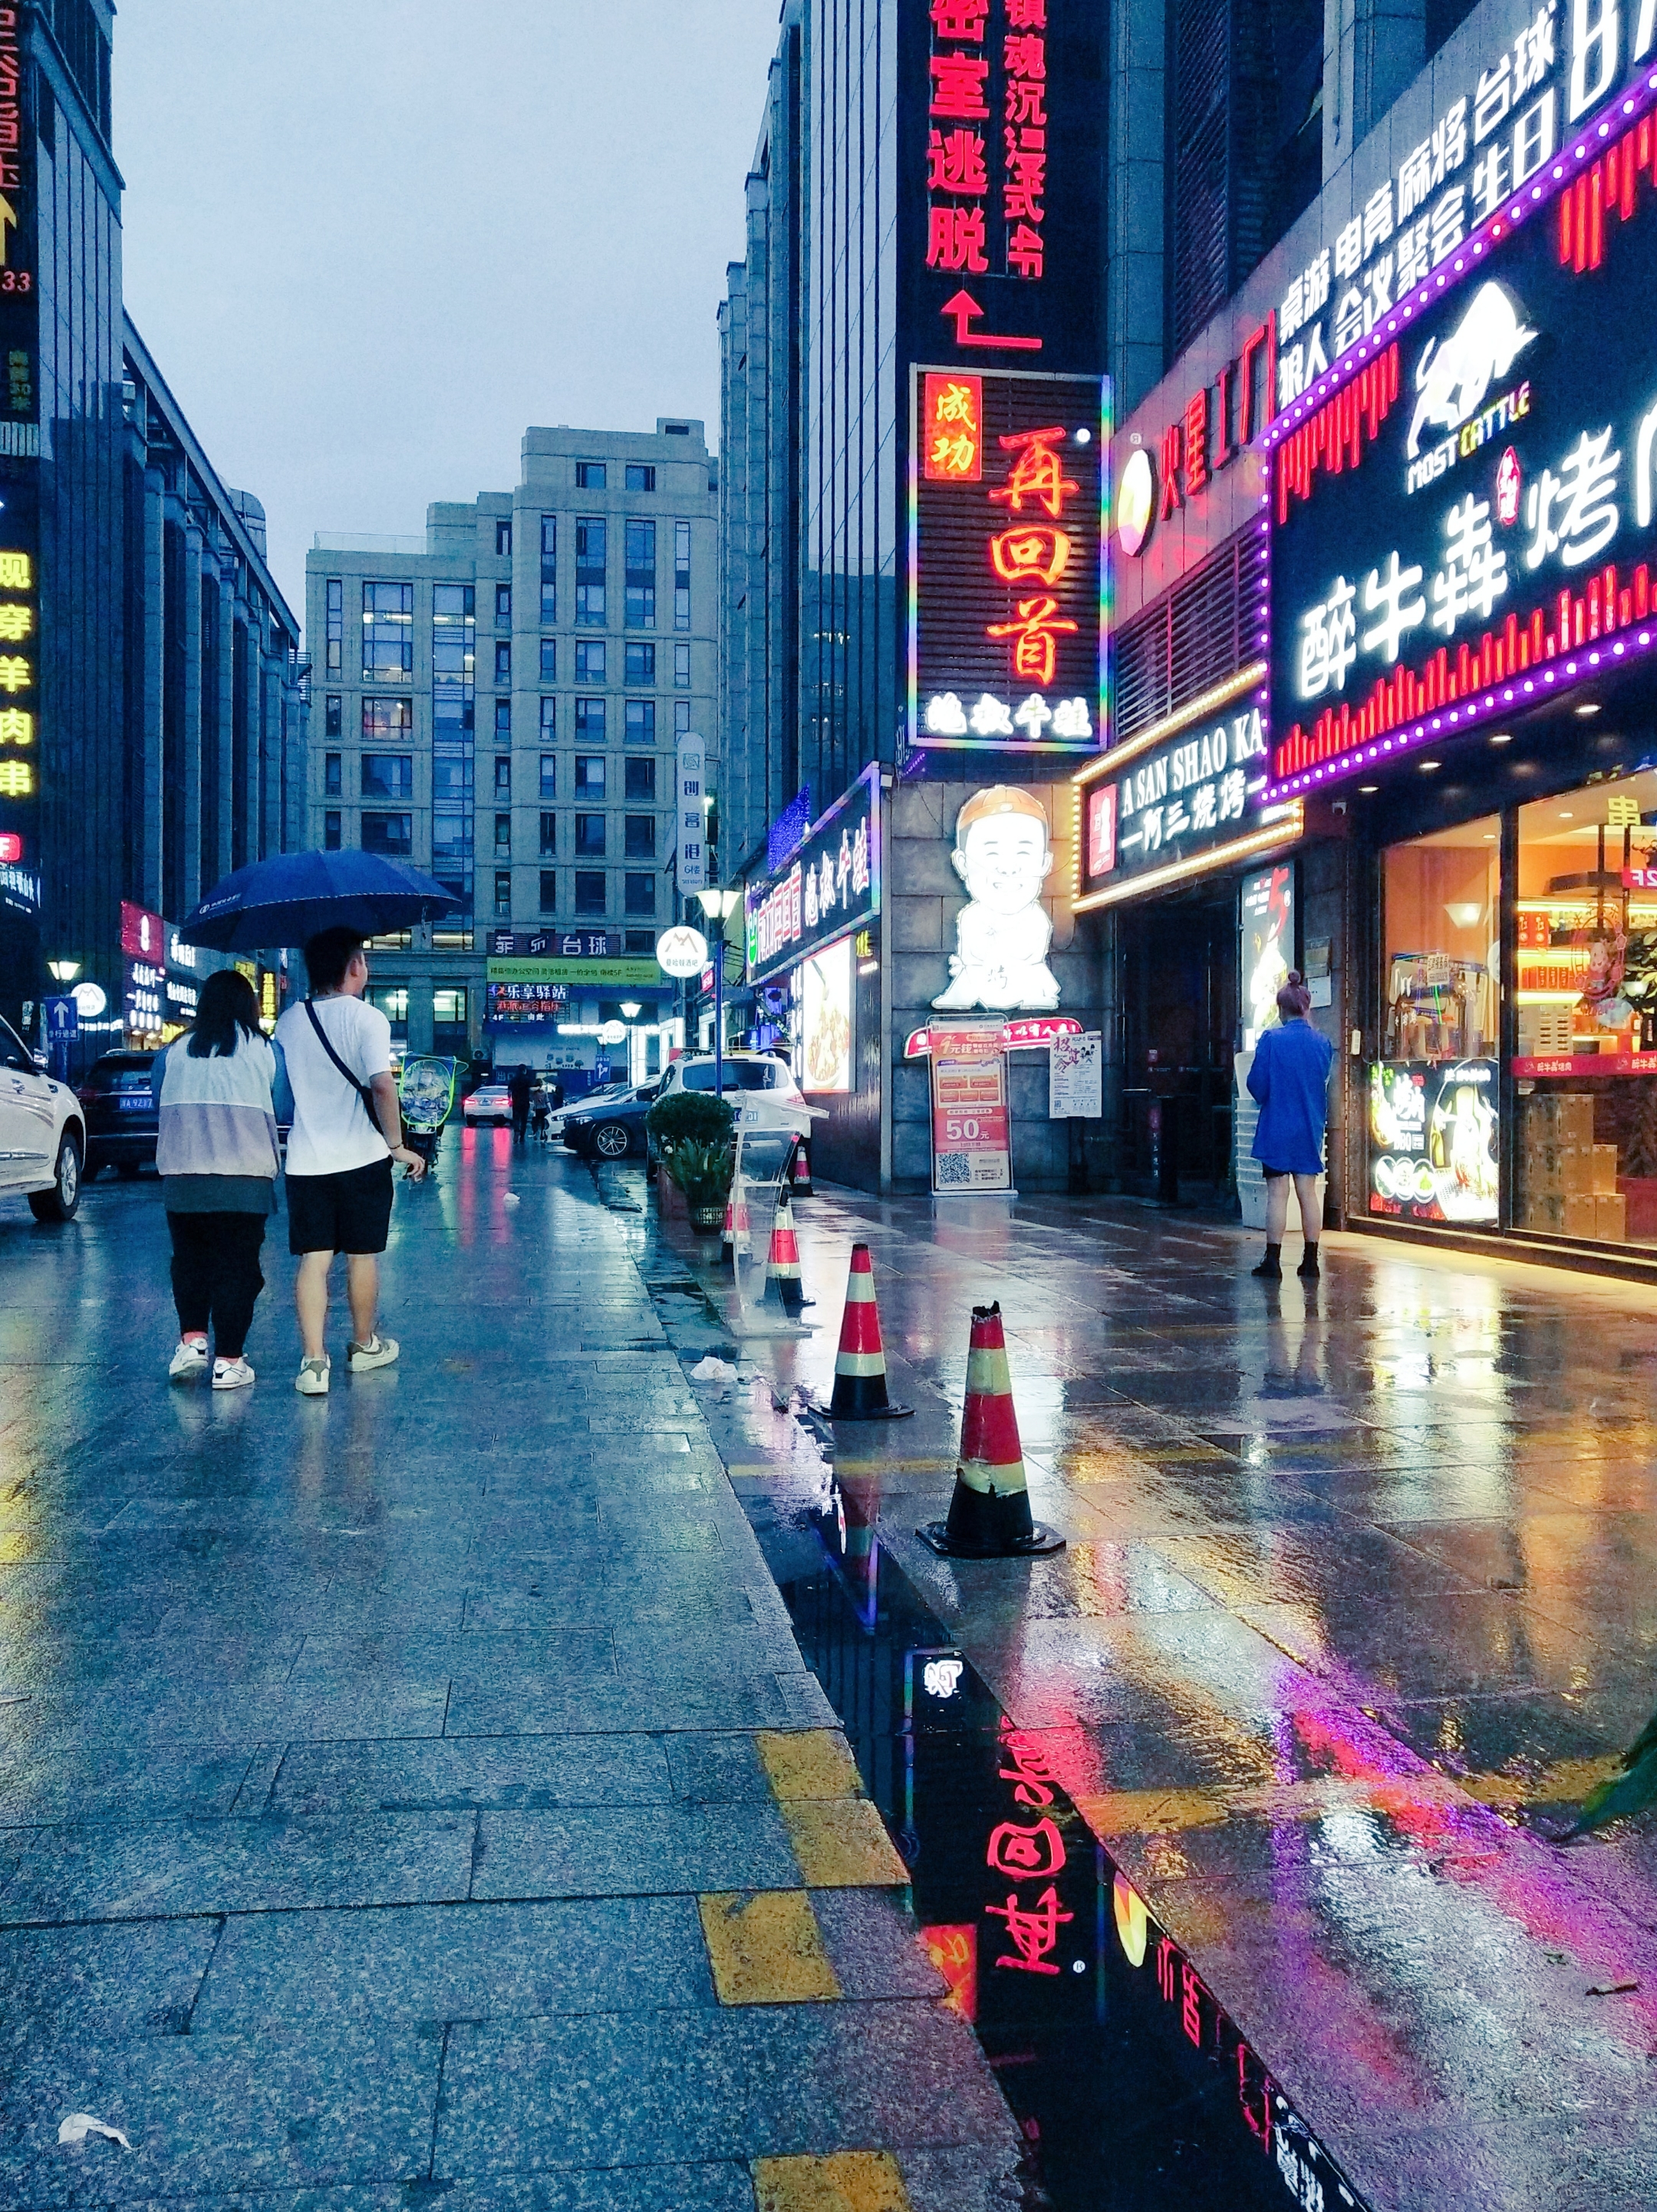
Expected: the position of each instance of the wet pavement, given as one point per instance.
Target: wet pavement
(419, 1796)
(437, 1794)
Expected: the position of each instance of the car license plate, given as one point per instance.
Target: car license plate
(134, 1105)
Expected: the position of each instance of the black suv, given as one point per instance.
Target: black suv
(120, 1113)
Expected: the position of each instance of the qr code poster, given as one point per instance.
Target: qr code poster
(971, 1142)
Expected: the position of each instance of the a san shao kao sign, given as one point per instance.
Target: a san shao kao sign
(1008, 498)
(1470, 525)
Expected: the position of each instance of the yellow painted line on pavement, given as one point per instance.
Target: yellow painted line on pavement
(841, 1845)
(809, 1763)
(767, 1948)
(848, 2181)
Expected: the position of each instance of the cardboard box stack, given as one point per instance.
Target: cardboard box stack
(1567, 1183)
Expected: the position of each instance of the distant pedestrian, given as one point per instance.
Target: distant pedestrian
(1290, 1077)
(215, 1148)
(348, 1129)
(520, 1089)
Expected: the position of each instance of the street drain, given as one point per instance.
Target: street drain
(1134, 2089)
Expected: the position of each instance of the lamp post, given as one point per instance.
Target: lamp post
(629, 1015)
(718, 906)
(63, 973)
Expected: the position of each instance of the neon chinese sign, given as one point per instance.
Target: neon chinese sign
(1009, 502)
(1468, 525)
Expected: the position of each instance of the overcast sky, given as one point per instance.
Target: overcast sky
(369, 241)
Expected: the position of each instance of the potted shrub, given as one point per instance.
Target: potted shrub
(691, 1132)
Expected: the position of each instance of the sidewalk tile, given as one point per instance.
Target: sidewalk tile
(620, 1852)
(498, 1774)
(766, 1947)
(841, 1845)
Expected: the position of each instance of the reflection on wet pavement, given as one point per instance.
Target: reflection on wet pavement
(1357, 1604)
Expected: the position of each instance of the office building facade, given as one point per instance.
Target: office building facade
(498, 703)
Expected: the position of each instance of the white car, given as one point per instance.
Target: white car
(742, 1070)
(490, 1102)
(43, 1139)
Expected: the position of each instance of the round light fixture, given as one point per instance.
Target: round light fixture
(1136, 502)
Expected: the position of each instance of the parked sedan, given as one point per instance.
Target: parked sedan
(42, 1134)
(120, 1107)
(490, 1102)
(609, 1127)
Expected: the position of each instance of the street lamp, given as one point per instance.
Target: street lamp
(629, 1015)
(62, 971)
(719, 906)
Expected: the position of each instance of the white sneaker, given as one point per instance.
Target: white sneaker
(312, 1381)
(378, 1352)
(232, 1374)
(189, 1360)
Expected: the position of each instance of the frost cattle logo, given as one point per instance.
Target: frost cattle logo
(1452, 377)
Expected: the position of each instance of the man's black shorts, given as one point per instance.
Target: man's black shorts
(347, 1213)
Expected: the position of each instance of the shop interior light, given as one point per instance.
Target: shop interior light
(1501, 736)
(1565, 814)
(1464, 913)
(1589, 707)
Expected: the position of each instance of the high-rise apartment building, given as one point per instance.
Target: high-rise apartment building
(498, 703)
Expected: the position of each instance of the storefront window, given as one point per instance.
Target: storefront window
(1585, 991)
(1434, 1155)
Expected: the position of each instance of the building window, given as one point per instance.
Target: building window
(388, 633)
(449, 1007)
(680, 719)
(503, 541)
(549, 660)
(589, 890)
(503, 893)
(391, 834)
(548, 720)
(503, 660)
(591, 552)
(590, 661)
(503, 833)
(334, 716)
(549, 835)
(391, 999)
(639, 831)
(589, 722)
(503, 777)
(330, 839)
(640, 477)
(549, 567)
(638, 940)
(589, 775)
(548, 775)
(641, 664)
(591, 476)
(503, 722)
(640, 723)
(332, 784)
(681, 575)
(335, 625)
(642, 781)
(549, 890)
(388, 776)
(590, 836)
(639, 894)
(503, 606)
(682, 668)
(639, 544)
(454, 635)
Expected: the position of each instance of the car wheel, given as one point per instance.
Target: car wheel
(59, 1203)
(612, 1140)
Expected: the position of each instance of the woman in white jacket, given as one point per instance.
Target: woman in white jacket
(217, 1153)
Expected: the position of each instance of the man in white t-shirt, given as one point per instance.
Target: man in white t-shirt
(348, 1129)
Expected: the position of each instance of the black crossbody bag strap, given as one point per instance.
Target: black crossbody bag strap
(360, 1089)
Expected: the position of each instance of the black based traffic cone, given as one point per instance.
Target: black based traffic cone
(861, 1361)
(783, 1268)
(989, 1513)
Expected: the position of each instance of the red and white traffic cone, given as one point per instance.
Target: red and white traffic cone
(736, 1225)
(861, 1361)
(800, 1176)
(989, 1513)
(783, 1269)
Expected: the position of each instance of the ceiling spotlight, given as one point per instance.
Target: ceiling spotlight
(1565, 814)
(1589, 707)
(1085, 436)
(1501, 736)
(1367, 787)
(1427, 766)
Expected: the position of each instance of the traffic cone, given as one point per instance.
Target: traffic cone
(989, 1513)
(783, 1265)
(800, 1174)
(736, 1225)
(861, 1361)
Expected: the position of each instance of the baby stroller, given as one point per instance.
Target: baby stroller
(427, 1092)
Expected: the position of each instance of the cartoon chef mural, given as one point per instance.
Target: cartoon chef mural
(1003, 856)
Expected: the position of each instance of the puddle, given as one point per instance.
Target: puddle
(1135, 2089)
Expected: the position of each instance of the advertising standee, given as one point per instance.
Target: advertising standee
(1433, 1140)
(972, 1149)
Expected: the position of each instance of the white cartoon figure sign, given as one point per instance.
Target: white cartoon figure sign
(1003, 856)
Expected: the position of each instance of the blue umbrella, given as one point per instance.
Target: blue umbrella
(288, 899)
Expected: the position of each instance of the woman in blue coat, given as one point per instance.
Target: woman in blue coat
(1289, 1078)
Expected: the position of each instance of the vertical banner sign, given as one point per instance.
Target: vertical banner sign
(691, 833)
(971, 1148)
(1008, 506)
(1268, 947)
(20, 446)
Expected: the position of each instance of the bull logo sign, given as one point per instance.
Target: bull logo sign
(1452, 377)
